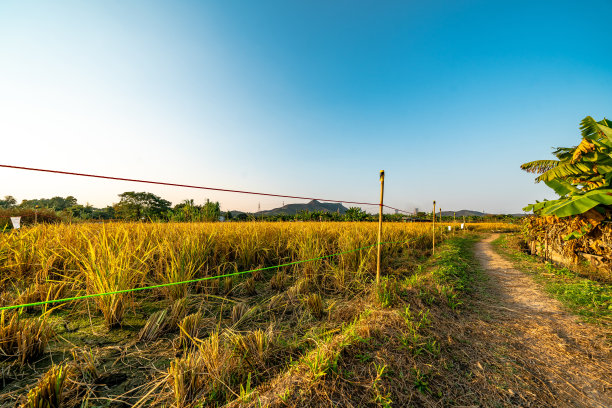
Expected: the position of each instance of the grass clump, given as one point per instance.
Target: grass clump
(184, 259)
(254, 347)
(193, 326)
(204, 373)
(314, 304)
(110, 263)
(163, 321)
(238, 312)
(49, 392)
(23, 339)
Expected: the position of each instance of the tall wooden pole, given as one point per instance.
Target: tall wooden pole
(380, 220)
(433, 242)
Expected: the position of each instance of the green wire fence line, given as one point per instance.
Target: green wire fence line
(46, 302)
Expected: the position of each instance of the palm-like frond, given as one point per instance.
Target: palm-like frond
(582, 175)
(565, 170)
(539, 166)
(583, 148)
(593, 130)
(564, 153)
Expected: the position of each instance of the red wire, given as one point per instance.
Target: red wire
(161, 183)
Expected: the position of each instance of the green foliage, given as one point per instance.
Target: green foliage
(381, 398)
(421, 381)
(387, 291)
(355, 214)
(189, 211)
(55, 203)
(8, 202)
(454, 270)
(581, 175)
(141, 206)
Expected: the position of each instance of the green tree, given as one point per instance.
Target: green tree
(55, 203)
(8, 202)
(141, 206)
(211, 210)
(355, 214)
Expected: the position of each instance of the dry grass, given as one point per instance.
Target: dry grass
(203, 371)
(49, 392)
(23, 339)
(163, 321)
(314, 304)
(225, 349)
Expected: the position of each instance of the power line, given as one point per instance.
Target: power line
(162, 183)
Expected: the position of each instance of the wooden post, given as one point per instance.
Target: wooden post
(546, 247)
(441, 226)
(36, 215)
(380, 220)
(433, 242)
(454, 222)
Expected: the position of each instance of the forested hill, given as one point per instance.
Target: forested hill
(312, 206)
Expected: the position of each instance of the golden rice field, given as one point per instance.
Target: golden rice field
(208, 342)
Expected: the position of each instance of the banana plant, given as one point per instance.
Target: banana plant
(580, 175)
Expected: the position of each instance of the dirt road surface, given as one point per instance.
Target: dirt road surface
(562, 361)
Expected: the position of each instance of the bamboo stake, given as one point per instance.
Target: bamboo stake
(441, 226)
(380, 220)
(433, 247)
(546, 247)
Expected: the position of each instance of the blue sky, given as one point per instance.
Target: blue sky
(300, 98)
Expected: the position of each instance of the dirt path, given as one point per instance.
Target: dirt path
(566, 361)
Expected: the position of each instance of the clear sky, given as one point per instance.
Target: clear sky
(299, 97)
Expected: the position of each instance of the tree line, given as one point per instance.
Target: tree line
(132, 206)
(144, 206)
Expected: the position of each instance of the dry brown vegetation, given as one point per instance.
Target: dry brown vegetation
(277, 335)
(586, 237)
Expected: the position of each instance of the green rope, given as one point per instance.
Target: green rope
(46, 302)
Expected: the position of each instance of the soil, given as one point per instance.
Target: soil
(567, 362)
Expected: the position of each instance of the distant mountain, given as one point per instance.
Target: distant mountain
(472, 213)
(463, 213)
(293, 209)
(312, 206)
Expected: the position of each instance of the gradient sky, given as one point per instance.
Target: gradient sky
(305, 98)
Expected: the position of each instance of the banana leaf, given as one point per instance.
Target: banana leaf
(561, 187)
(564, 170)
(578, 234)
(593, 130)
(538, 206)
(578, 204)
